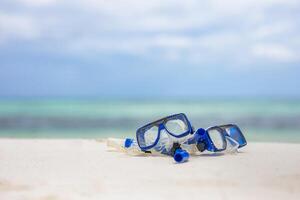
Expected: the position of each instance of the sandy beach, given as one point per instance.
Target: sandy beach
(40, 169)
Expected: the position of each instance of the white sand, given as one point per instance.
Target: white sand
(84, 169)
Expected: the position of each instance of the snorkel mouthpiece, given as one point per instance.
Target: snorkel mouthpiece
(181, 156)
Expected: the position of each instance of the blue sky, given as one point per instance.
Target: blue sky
(149, 48)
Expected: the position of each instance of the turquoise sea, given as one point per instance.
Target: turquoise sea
(260, 120)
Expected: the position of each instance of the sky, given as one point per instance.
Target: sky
(134, 48)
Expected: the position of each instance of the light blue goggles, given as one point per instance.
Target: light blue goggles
(214, 138)
(235, 133)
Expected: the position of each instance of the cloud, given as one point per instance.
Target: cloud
(189, 31)
(274, 29)
(275, 52)
(74, 47)
(15, 26)
(37, 3)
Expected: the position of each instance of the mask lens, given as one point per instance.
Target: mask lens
(232, 145)
(217, 138)
(236, 134)
(148, 136)
(176, 126)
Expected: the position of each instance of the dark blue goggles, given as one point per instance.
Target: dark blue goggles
(177, 126)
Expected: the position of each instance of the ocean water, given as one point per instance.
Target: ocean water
(260, 120)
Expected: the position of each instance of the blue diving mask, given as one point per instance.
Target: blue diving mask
(218, 138)
(165, 135)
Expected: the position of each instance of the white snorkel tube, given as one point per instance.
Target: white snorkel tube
(126, 145)
(130, 147)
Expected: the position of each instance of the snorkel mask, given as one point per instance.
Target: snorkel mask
(227, 138)
(165, 136)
